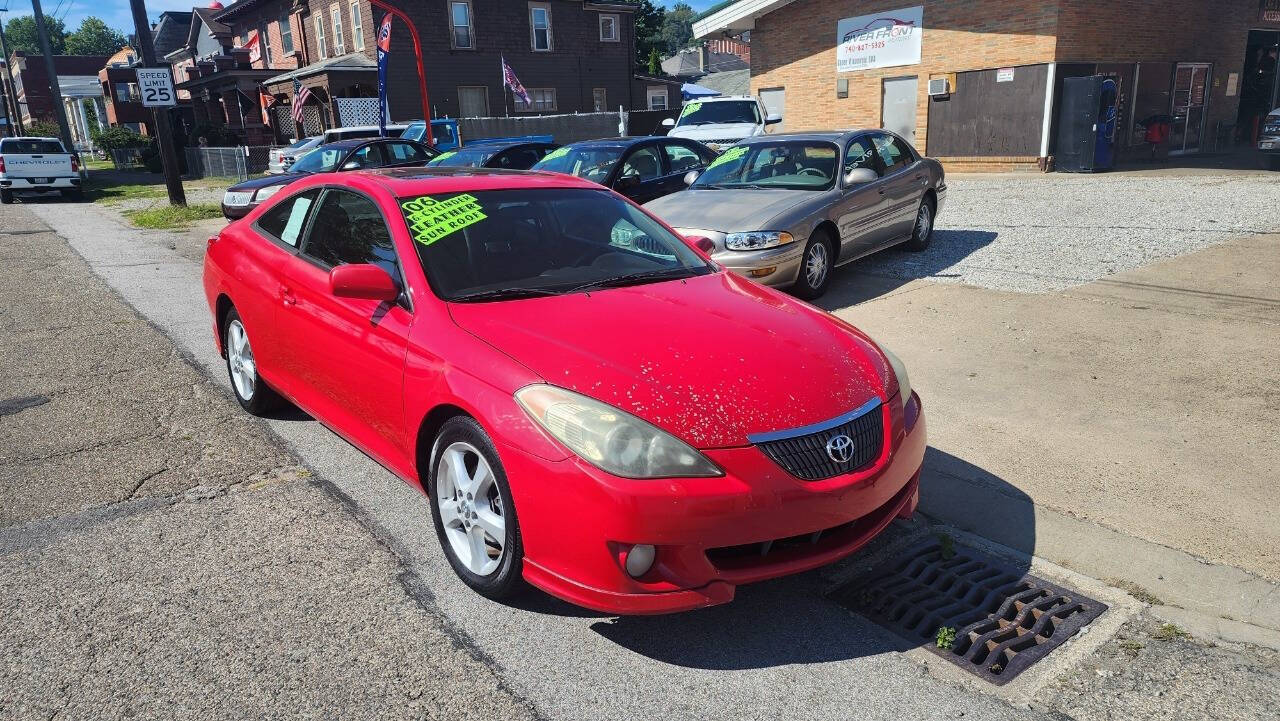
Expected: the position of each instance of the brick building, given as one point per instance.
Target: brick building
(1210, 67)
(31, 82)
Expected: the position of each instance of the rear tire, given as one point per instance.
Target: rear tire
(6, 196)
(471, 507)
(253, 393)
(922, 231)
(816, 265)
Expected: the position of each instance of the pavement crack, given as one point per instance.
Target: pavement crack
(144, 479)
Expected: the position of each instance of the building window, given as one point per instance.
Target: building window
(460, 20)
(473, 101)
(598, 100)
(322, 43)
(540, 99)
(264, 46)
(357, 27)
(608, 28)
(339, 45)
(657, 97)
(540, 26)
(286, 34)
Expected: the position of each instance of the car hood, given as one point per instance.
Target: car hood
(719, 131)
(710, 359)
(727, 211)
(267, 180)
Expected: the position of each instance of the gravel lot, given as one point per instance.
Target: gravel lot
(1041, 234)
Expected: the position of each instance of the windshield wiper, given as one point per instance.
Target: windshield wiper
(505, 294)
(707, 186)
(636, 278)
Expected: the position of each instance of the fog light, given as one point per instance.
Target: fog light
(640, 559)
(762, 272)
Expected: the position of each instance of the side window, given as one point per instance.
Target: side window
(398, 153)
(642, 164)
(518, 158)
(349, 228)
(370, 156)
(893, 154)
(860, 154)
(285, 221)
(681, 158)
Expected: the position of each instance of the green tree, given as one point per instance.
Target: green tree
(677, 27)
(20, 34)
(655, 62)
(93, 37)
(649, 17)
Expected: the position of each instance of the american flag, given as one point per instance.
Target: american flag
(300, 95)
(509, 77)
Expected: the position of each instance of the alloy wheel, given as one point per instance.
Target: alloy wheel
(471, 508)
(244, 372)
(924, 222)
(815, 265)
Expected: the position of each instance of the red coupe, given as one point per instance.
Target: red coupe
(592, 405)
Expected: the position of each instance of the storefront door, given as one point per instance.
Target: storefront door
(1190, 94)
(898, 107)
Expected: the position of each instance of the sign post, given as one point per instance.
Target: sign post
(156, 88)
(161, 100)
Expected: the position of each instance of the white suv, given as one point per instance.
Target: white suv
(721, 122)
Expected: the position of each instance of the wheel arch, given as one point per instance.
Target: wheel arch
(428, 429)
(221, 307)
(826, 225)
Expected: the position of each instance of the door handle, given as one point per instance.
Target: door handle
(880, 191)
(286, 296)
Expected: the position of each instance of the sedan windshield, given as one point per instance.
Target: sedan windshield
(696, 113)
(502, 244)
(468, 158)
(320, 160)
(794, 165)
(592, 162)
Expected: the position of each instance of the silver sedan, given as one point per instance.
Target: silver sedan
(785, 209)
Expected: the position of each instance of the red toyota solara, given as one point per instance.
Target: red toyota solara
(591, 404)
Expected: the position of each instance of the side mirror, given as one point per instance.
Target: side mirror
(351, 165)
(773, 119)
(668, 122)
(857, 176)
(691, 176)
(362, 281)
(628, 182)
(702, 243)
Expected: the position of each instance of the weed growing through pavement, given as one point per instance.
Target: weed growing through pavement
(1136, 591)
(948, 546)
(1168, 632)
(1131, 647)
(946, 637)
(172, 216)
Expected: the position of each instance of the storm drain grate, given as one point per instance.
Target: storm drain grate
(1003, 619)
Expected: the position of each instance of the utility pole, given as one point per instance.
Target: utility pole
(15, 113)
(55, 92)
(164, 130)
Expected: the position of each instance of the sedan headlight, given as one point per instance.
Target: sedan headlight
(266, 192)
(899, 370)
(757, 240)
(610, 439)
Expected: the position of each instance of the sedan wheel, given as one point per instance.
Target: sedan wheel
(251, 391)
(471, 507)
(815, 267)
(922, 232)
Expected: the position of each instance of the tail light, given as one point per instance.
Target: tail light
(1, 163)
(75, 165)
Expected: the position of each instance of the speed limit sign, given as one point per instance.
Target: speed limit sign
(156, 87)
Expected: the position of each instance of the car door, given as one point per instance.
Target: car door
(347, 354)
(681, 157)
(902, 177)
(639, 174)
(861, 211)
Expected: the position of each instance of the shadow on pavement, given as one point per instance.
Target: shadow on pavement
(886, 271)
(973, 499)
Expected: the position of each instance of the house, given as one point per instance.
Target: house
(119, 83)
(77, 80)
(718, 55)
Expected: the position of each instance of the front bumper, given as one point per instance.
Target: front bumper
(773, 266)
(1269, 144)
(235, 212)
(63, 183)
(577, 522)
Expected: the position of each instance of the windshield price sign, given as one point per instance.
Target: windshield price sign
(156, 87)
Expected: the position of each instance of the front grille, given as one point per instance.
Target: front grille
(805, 456)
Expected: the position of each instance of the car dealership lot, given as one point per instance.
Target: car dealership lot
(995, 369)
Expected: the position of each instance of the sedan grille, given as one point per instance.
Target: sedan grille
(806, 455)
(237, 197)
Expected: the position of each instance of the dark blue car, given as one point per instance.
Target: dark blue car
(355, 154)
(512, 155)
(640, 168)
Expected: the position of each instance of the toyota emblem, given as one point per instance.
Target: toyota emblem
(840, 448)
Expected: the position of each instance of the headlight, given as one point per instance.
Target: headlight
(757, 240)
(899, 370)
(266, 192)
(611, 439)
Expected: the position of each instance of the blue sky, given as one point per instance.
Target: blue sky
(116, 12)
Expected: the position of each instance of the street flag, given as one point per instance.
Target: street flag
(384, 50)
(300, 95)
(511, 81)
(255, 47)
(265, 100)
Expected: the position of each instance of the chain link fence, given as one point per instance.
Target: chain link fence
(239, 163)
(126, 158)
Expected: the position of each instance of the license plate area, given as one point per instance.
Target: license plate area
(42, 181)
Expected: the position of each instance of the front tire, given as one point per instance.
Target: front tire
(922, 232)
(250, 390)
(816, 264)
(472, 510)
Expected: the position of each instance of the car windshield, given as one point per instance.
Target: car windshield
(698, 113)
(466, 158)
(31, 147)
(794, 165)
(321, 160)
(299, 143)
(592, 162)
(502, 244)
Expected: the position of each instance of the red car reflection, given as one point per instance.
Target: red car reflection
(592, 405)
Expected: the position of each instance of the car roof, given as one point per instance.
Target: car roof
(32, 137)
(498, 146)
(622, 142)
(812, 135)
(722, 98)
(406, 182)
(351, 128)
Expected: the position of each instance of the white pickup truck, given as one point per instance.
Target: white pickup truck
(39, 165)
